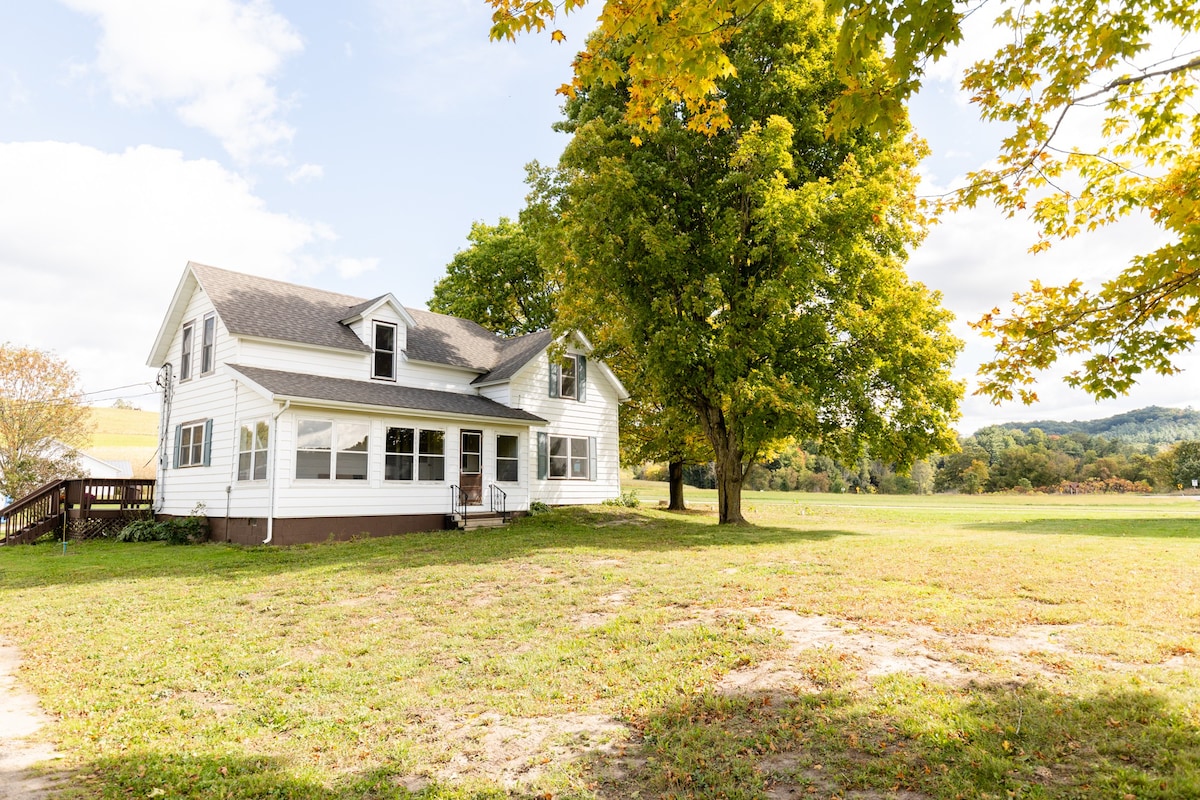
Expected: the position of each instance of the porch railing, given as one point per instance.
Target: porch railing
(498, 501)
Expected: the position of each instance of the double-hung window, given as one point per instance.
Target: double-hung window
(185, 356)
(398, 454)
(568, 378)
(566, 457)
(326, 449)
(193, 444)
(252, 451)
(208, 345)
(507, 458)
(385, 351)
(431, 456)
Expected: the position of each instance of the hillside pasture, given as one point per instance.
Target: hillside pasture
(848, 647)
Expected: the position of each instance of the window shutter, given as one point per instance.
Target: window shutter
(555, 369)
(581, 378)
(207, 458)
(591, 458)
(543, 444)
(178, 444)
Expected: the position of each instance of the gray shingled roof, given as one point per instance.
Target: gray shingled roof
(270, 309)
(294, 385)
(267, 309)
(516, 354)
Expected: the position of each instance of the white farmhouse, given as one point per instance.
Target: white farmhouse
(293, 414)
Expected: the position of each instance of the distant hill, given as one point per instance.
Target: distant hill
(1152, 425)
(121, 434)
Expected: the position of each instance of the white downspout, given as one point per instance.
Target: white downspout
(274, 461)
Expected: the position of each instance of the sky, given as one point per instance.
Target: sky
(350, 146)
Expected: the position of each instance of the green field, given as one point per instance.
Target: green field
(119, 434)
(848, 647)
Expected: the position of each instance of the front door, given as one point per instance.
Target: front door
(470, 468)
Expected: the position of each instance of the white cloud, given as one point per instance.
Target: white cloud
(978, 258)
(212, 60)
(305, 173)
(353, 267)
(93, 245)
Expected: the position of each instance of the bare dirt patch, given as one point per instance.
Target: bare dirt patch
(20, 719)
(516, 750)
(1032, 651)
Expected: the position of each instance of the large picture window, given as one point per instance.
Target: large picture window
(385, 351)
(431, 456)
(327, 449)
(508, 458)
(252, 451)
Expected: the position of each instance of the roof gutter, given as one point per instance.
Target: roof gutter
(274, 461)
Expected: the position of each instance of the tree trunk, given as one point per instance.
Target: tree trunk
(727, 447)
(675, 475)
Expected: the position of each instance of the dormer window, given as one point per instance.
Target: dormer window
(385, 352)
(568, 378)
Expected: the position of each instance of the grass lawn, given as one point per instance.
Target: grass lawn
(848, 647)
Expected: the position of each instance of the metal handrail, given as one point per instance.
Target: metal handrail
(503, 501)
(458, 502)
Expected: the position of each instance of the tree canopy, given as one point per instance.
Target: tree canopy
(41, 419)
(759, 269)
(1124, 71)
(498, 281)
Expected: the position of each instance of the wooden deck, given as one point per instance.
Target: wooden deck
(78, 508)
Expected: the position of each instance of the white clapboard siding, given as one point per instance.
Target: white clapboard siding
(202, 397)
(595, 416)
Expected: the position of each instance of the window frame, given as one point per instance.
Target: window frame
(187, 346)
(514, 459)
(575, 376)
(334, 450)
(257, 457)
(400, 455)
(195, 453)
(376, 326)
(428, 458)
(208, 344)
(568, 458)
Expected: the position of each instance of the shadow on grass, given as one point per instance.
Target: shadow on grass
(560, 530)
(1150, 527)
(911, 740)
(903, 739)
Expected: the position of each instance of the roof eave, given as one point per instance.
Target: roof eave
(448, 415)
(171, 320)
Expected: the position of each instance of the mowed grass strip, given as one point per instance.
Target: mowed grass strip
(1040, 649)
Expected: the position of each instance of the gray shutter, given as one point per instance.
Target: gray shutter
(178, 444)
(207, 443)
(555, 369)
(591, 458)
(543, 444)
(581, 378)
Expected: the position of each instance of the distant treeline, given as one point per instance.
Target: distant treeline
(1130, 457)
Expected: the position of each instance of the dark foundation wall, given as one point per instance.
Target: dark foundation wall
(306, 530)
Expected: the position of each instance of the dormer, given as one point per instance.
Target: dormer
(382, 324)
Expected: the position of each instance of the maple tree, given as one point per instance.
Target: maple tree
(41, 419)
(1104, 62)
(758, 271)
(498, 281)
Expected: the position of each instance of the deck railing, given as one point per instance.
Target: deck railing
(86, 506)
